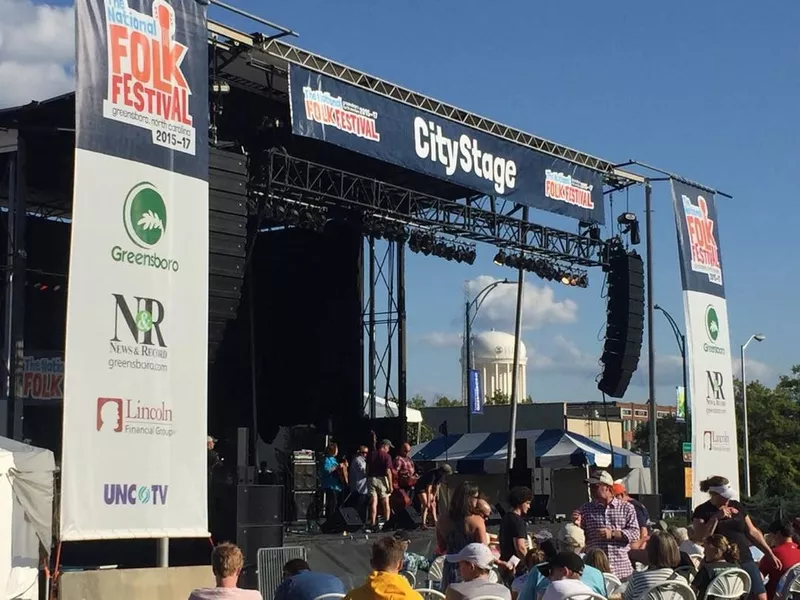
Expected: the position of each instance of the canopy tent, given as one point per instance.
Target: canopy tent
(26, 513)
(388, 408)
(475, 453)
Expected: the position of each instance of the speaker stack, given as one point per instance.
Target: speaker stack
(304, 486)
(625, 321)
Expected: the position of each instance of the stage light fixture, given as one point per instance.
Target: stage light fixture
(565, 278)
(500, 258)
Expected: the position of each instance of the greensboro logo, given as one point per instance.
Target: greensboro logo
(712, 331)
(145, 215)
(712, 323)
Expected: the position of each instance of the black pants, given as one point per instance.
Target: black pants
(332, 501)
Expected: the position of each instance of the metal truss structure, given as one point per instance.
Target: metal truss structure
(284, 176)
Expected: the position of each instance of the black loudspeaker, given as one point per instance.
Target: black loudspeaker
(345, 519)
(408, 518)
(538, 508)
(305, 477)
(652, 502)
(252, 537)
(259, 505)
(227, 240)
(304, 505)
(625, 322)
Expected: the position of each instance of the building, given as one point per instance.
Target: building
(539, 415)
(493, 358)
(630, 414)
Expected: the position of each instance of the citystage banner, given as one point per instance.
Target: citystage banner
(333, 111)
(713, 414)
(134, 449)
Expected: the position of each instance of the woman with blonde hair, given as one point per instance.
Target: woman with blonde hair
(662, 558)
(598, 559)
(719, 556)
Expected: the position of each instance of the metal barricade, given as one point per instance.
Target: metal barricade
(270, 567)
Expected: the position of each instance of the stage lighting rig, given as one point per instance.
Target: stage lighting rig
(428, 243)
(544, 268)
(630, 224)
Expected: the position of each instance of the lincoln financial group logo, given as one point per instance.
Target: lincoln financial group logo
(712, 332)
(716, 441)
(115, 415)
(144, 217)
(138, 338)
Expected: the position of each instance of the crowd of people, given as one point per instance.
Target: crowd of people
(610, 548)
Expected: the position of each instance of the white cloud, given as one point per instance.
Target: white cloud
(563, 356)
(37, 51)
(755, 369)
(441, 339)
(539, 305)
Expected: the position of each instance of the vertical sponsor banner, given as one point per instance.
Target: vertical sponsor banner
(680, 403)
(475, 393)
(713, 413)
(134, 457)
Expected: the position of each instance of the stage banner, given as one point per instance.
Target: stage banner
(331, 110)
(713, 414)
(134, 447)
(476, 399)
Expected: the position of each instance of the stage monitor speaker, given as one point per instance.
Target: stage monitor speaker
(305, 507)
(625, 322)
(251, 538)
(259, 505)
(305, 477)
(227, 240)
(408, 518)
(652, 502)
(345, 519)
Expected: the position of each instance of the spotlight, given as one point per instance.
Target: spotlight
(565, 278)
(470, 257)
(292, 217)
(500, 258)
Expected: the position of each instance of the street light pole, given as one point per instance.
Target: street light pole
(467, 359)
(759, 338)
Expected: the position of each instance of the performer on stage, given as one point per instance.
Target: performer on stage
(334, 479)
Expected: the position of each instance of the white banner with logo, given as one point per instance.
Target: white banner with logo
(134, 444)
(712, 407)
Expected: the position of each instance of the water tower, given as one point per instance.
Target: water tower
(493, 356)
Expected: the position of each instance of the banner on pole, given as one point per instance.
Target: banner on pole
(713, 414)
(134, 441)
(328, 109)
(476, 400)
(680, 400)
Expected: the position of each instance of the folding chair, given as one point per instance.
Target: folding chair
(730, 585)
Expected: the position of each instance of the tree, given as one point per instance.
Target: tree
(445, 402)
(498, 398)
(671, 435)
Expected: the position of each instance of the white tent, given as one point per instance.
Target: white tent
(388, 408)
(26, 514)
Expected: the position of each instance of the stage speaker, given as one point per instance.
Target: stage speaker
(250, 538)
(304, 506)
(259, 505)
(408, 518)
(227, 240)
(538, 508)
(625, 322)
(652, 502)
(305, 477)
(345, 519)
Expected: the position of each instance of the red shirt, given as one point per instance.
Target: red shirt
(789, 555)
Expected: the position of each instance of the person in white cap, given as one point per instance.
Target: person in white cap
(474, 563)
(610, 524)
(724, 515)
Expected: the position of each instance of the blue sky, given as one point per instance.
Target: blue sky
(708, 90)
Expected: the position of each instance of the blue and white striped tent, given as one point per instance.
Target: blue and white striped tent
(477, 453)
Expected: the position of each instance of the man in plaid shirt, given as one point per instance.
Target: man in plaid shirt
(610, 524)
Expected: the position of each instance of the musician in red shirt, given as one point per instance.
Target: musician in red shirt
(786, 552)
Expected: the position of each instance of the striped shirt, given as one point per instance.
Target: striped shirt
(641, 581)
(616, 516)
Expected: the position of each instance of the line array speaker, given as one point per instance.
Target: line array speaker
(227, 223)
(625, 322)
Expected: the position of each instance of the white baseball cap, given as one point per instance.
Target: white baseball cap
(477, 554)
(601, 477)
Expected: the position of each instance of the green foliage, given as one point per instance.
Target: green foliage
(445, 402)
(498, 398)
(671, 435)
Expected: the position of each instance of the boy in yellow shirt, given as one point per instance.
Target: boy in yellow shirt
(385, 581)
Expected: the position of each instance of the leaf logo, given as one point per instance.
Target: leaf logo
(145, 215)
(712, 323)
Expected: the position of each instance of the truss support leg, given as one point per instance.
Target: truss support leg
(402, 391)
(14, 334)
(371, 328)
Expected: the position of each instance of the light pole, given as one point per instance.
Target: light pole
(681, 339)
(469, 318)
(759, 338)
